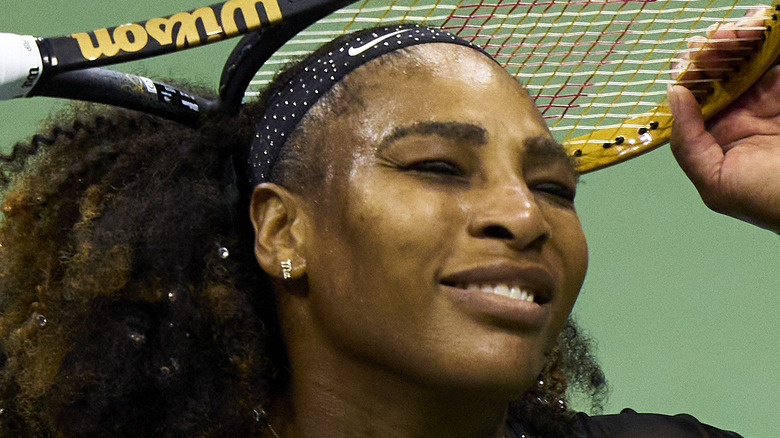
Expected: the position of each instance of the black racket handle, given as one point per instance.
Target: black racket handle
(111, 87)
(26, 61)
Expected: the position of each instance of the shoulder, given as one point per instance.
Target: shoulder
(631, 424)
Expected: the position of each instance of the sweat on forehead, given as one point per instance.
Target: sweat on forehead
(294, 92)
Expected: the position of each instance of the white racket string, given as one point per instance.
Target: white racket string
(588, 64)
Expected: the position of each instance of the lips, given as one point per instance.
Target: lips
(503, 294)
(515, 292)
(525, 283)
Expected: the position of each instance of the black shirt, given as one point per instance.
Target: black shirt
(630, 424)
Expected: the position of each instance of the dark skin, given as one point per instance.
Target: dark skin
(371, 325)
(489, 199)
(734, 158)
(445, 192)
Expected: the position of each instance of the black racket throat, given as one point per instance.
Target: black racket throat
(72, 65)
(179, 31)
(101, 85)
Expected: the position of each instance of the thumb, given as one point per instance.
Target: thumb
(696, 150)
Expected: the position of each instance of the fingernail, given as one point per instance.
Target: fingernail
(757, 11)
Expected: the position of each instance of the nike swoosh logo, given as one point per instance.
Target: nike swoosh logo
(355, 51)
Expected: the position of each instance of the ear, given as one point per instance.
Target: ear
(279, 219)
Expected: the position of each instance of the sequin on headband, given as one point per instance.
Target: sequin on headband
(287, 107)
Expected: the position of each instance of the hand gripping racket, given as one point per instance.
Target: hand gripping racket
(598, 69)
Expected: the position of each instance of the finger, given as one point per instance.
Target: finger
(747, 29)
(721, 52)
(724, 38)
(695, 149)
(754, 23)
(682, 70)
(756, 112)
(728, 44)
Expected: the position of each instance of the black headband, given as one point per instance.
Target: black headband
(287, 106)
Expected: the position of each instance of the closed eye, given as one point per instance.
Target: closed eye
(437, 167)
(559, 192)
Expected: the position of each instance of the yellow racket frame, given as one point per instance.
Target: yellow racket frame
(638, 135)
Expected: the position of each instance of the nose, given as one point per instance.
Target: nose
(509, 213)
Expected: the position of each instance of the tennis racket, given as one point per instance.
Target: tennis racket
(66, 66)
(598, 69)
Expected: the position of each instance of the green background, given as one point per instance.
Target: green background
(683, 302)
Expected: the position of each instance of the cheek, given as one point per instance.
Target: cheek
(380, 235)
(400, 235)
(571, 247)
(373, 290)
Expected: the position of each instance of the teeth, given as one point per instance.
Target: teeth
(515, 292)
(501, 289)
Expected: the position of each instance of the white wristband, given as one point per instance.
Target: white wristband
(20, 65)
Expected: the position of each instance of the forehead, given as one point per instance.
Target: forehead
(440, 61)
(436, 83)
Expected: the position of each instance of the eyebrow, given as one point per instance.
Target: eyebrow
(465, 132)
(539, 148)
(547, 149)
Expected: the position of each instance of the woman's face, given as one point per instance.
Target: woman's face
(444, 246)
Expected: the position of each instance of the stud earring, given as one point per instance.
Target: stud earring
(286, 269)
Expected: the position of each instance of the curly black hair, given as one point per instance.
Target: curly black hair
(129, 304)
(131, 301)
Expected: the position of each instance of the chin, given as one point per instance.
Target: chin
(505, 376)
